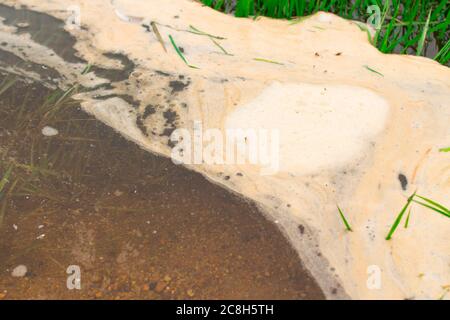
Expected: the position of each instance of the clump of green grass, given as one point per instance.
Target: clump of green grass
(406, 25)
(428, 203)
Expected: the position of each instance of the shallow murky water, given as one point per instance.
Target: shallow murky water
(137, 225)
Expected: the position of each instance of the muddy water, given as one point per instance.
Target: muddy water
(137, 225)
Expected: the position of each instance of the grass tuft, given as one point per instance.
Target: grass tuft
(405, 26)
(399, 217)
(428, 203)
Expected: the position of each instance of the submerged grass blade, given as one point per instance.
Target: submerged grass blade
(6, 84)
(444, 149)
(347, 225)
(399, 217)
(5, 179)
(373, 70)
(180, 54)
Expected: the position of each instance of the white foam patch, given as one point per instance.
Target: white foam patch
(320, 126)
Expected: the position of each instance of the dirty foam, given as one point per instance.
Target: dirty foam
(346, 132)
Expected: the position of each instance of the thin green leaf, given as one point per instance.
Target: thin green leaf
(180, 54)
(347, 225)
(194, 30)
(434, 203)
(373, 70)
(399, 217)
(423, 37)
(407, 219)
(268, 61)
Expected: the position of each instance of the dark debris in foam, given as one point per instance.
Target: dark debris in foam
(178, 85)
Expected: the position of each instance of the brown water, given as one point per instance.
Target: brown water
(138, 226)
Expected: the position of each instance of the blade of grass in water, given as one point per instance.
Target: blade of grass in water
(202, 33)
(407, 219)
(158, 35)
(5, 178)
(6, 85)
(4, 203)
(373, 70)
(347, 225)
(444, 150)
(220, 47)
(399, 217)
(433, 205)
(433, 208)
(268, 61)
(180, 53)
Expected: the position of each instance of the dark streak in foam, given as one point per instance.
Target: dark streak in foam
(43, 29)
(10, 59)
(115, 75)
(170, 116)
(161, 73)
(177, 85)
(127, 98)
(149, 110)
(140, 124)
(403, 181)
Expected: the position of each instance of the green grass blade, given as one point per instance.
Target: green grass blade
(407, 219)
(444, 149)
(399, 217)
(347, 225)
(220, 47)
(433, 208)
(180, 54)
(268, 61)
(194, 30)
(423, 37)
(373, 70)
(435, 204)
